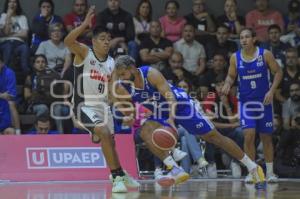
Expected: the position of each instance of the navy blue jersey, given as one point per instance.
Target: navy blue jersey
(253, 77)
(149, 95)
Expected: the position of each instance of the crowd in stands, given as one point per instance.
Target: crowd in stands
(191, 51)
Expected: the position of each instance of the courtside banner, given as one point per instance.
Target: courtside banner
(60, 157)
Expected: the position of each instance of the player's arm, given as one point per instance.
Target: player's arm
(275, 69)
(80, 50)
(232, 73)
(157, 80)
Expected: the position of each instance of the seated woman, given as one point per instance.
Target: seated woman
(57, 54)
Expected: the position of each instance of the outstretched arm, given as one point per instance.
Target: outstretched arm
(157, 80)
(80, 50)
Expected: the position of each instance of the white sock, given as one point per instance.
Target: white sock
(170, 162)
(269, 166)
(248, 163)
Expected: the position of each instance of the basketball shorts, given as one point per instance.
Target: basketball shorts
(256, 115)
(190, 116)
(88, 117)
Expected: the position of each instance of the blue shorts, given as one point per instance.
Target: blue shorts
(190, 116)
(256, 115)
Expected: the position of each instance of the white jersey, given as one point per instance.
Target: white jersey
(91, 80)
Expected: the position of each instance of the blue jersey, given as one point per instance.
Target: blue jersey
(149, 96)
(188, 113)
(253, 77)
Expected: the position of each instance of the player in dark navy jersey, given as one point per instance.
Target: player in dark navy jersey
(253, 66)
(170, 106)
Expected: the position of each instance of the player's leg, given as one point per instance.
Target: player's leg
(265, 127)
(249, 142)
(177, 174)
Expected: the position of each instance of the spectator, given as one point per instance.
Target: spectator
(175, 71)
(200, 19)
(14, 25)
(222, 109)
(220, 44)
(8, 113)
(291, 105)
(274, 44)
(293, 37)
(38, 97)
(42, 126)
(287, 162)
(231, 19)
(57, 54)
(143, 16)
(292, 19)
(291, 72)
(41, 22)
(192, 51)
(120, 24)
(155, 50)
(171, 23)
(75, 18)
(261, 18)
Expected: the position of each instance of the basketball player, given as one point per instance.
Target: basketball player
(93, 68)
(252, 66)
(173, 106)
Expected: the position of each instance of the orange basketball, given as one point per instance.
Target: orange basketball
(165, 138)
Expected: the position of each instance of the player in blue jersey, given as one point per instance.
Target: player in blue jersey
(170, 106)
(252, 66)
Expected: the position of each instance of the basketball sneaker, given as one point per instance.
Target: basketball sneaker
(272, 178)
(259, 178)
(118, 185)
(249, 179)
(175, 176)
(178, 154)
(130, 181)
(163, 180)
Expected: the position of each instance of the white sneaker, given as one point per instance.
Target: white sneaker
(176, 176)
(130, 182)
(249, 179)
(212, 170)
(119, 185)
(272, 178)
(235, 169)
(178, 154)
(163, 180)
(202, 162)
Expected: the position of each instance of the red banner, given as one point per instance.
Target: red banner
(60, 157)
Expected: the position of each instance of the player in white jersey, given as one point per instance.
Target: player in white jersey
(93, 69)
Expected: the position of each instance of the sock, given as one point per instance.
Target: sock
(269, 166)
(248, 163)
(170, 162)
(117, 172)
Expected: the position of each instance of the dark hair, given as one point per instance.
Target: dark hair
(189, 24)
(233, 1)
(172, 1)
(1, 57)
(149, 18)
(224, 26)
(297, 82)
(42, 118)
(40, 55)
(274, 26)
(47, 1)
(19, 10)
(220, 78)
(291, 50)
(99, 29)
(253, 33)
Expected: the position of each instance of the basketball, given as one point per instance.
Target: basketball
(165, 138)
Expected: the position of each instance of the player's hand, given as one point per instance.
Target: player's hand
(89, 17)
(269, 97)
(225, 89)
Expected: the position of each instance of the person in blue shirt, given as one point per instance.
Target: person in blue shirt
(252, 66)
(7, 94)
(171, 106)
(42, 126)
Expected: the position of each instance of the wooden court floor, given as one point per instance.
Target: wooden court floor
(202, 189)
